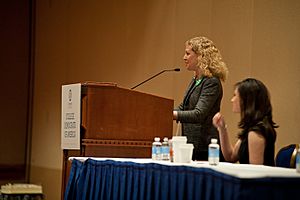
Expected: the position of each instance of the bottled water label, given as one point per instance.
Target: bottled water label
(213, 156)
(165, 152)
(213, 152)
(156, 153)
(156, 150)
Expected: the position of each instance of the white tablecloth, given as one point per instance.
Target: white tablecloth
(237, 170)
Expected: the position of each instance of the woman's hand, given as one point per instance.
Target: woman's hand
(219, 122)
(174, 115)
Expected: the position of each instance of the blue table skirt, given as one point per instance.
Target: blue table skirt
(110, 179)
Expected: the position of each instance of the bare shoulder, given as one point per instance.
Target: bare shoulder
(255, 138)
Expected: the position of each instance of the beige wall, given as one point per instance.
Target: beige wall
(127, 41)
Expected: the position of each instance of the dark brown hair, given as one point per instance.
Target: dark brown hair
(255, 104)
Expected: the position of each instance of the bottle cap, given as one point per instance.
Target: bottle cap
(156, 139)
(214, 140)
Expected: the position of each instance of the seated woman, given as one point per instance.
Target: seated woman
(256, 141)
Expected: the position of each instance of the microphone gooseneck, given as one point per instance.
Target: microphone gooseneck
(166, 70)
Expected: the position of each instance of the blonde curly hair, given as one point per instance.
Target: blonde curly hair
(209, 57)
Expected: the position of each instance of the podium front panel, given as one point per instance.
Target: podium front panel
(110, 112)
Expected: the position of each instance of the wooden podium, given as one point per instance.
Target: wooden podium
(119, 122)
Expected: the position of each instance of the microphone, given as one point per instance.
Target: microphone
(166, 70)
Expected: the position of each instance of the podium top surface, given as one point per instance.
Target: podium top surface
(100, 84)
(95, 84)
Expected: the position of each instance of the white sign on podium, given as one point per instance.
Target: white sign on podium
(70, 116)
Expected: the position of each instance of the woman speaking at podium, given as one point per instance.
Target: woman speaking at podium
(203, 95)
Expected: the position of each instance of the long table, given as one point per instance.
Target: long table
(120, 178)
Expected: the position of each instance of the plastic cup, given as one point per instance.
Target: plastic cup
(186, 153)
(176, 142)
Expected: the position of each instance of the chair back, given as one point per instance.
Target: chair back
(286, 156)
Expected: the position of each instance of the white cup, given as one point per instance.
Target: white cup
(176, 142)
(186, 153)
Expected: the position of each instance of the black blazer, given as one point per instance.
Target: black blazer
(201, 102)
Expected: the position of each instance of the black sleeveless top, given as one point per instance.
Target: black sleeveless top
(269, 148)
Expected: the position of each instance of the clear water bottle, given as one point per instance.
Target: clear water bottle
(165, 149)
(156, 149)
(213, 152)
(298, 161)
